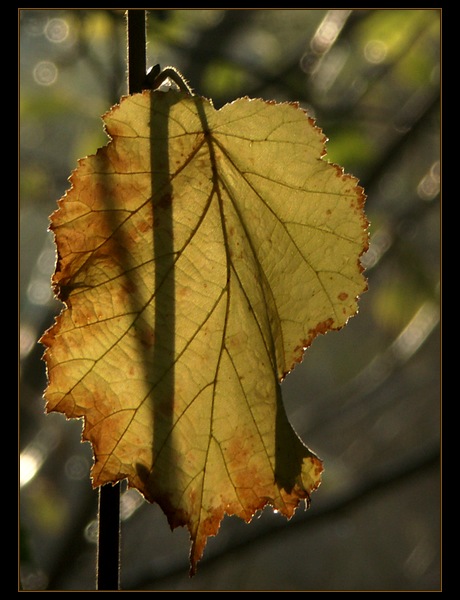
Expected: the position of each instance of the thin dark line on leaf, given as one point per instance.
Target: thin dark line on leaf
(336, 275)
(110, 211)
(200, 474)
(248, 404)
(224, 331)
(230, 268)
(129, 172)
(243, 172)
(189, 158)
(139, 312)
(325, 231)
(177, 359)
(175, 423)
(84, 287)
(215, 179)
(267, 139)
(158, 382)
(271, 352)
(229, 476)
(211, 435)
(262, 277)
(281, 222)
(141, 105)
(261, 108)
(296, 188)
(258, 106)
(190, 340)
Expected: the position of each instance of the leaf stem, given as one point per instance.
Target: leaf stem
(173, 74)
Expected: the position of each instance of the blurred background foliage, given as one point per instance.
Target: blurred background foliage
(366, 399)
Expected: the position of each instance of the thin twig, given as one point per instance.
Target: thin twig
(108, 542)
(108, 548)
(136, 50)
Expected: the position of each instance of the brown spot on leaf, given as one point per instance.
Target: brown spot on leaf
(147, 337)
(146, 225)
(318, 467)
(342, 296)
(211, 524)
(322, 327)
(299, 350)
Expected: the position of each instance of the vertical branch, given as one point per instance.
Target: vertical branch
(108, 547)
(136, 57)
(108, 542)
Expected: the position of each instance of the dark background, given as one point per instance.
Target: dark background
(366, 399)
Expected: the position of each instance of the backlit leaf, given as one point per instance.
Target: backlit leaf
(199, 253)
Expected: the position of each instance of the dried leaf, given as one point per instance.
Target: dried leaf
(199, 253)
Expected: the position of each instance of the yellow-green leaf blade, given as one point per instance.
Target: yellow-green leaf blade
(199, 253)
